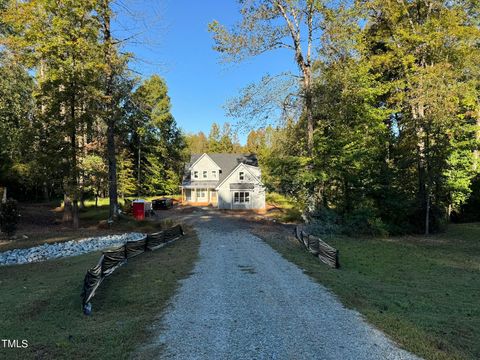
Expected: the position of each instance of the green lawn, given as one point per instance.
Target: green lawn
(41, 303)
(422, 291)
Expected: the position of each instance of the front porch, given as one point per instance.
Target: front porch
(198, 196)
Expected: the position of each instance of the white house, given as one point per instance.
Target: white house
(226, 181)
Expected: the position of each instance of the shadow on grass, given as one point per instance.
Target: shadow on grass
(41, 303)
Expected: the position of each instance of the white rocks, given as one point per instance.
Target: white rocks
(64, 249)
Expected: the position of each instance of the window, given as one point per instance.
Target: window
(205, 174)
(214, 174)
(240, 197)
(195, 174)
(201, 193)
(241, 175)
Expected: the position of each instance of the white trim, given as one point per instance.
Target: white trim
(201, 157)
(234, 170)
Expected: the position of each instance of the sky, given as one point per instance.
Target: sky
(172, 40)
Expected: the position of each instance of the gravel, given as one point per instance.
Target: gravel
(63, 249)
(244, 301)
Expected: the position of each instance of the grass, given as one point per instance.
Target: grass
(282, 208)
(41, 303)
(422, 291)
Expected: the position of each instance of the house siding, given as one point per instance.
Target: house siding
(205, 164)
(225, 191)
(227, 181)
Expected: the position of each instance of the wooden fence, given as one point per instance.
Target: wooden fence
(319, 248)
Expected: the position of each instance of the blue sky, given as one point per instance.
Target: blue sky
(174, 42)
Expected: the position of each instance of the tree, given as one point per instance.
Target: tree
(126, 175)
(432, 83)
(60, 42)
(197, 143)
(114, 67)
(155, 138)
(214, 138)
(274, 24)
(95, 174)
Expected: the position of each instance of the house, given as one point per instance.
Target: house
(225, 181)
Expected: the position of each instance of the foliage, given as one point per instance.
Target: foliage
(9, 217)
(395, 101)
(154, 138)
(126, 180)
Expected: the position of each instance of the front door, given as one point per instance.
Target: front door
(213, 197)
(202, 195)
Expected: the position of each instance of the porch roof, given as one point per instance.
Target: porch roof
(200, 184)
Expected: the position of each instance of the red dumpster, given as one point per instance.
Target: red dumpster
(138, 209)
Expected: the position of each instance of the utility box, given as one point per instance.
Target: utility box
(138, 209)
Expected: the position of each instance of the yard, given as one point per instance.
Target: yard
(422, 291)
(41, 303)
(42, 223)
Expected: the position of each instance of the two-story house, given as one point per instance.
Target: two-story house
(226, 181)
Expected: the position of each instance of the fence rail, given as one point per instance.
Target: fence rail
(114, 258)
(319, 248)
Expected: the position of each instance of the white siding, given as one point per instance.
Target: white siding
(205, 164)
(257, 194)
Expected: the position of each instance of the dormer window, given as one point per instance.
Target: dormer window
(195, 174)
(205, 174)
(241, 175)
(214, 174)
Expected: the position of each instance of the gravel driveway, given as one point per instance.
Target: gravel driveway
(244, 301)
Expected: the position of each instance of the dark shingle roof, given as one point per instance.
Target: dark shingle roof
(226, 162)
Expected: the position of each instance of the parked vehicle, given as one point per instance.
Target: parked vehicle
(162, 203)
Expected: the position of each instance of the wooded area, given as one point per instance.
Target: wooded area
(75, 120)
(380, 127)
(377, 133)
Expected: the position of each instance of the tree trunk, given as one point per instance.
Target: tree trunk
(476, 164)
(427, 215)
(110, 113)
(73, 170)
(46, 195)
(308, 108)
(67, 209)
(139, 185)
(75, 219)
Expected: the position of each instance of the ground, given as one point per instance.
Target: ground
(41, 303)
(421, 291)
(42, 223)
(245, 301)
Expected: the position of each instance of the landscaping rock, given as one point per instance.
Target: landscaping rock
(64, 249)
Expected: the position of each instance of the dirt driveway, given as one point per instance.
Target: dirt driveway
(244, 301)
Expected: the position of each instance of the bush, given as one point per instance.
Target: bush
(9, 217)
(323, 221)
(364, 221)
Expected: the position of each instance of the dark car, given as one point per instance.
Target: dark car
(162, 204)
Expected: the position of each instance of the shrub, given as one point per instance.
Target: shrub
(364, 221)
(9, 217)
(323, 221)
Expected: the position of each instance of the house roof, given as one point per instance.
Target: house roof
(226, 162)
